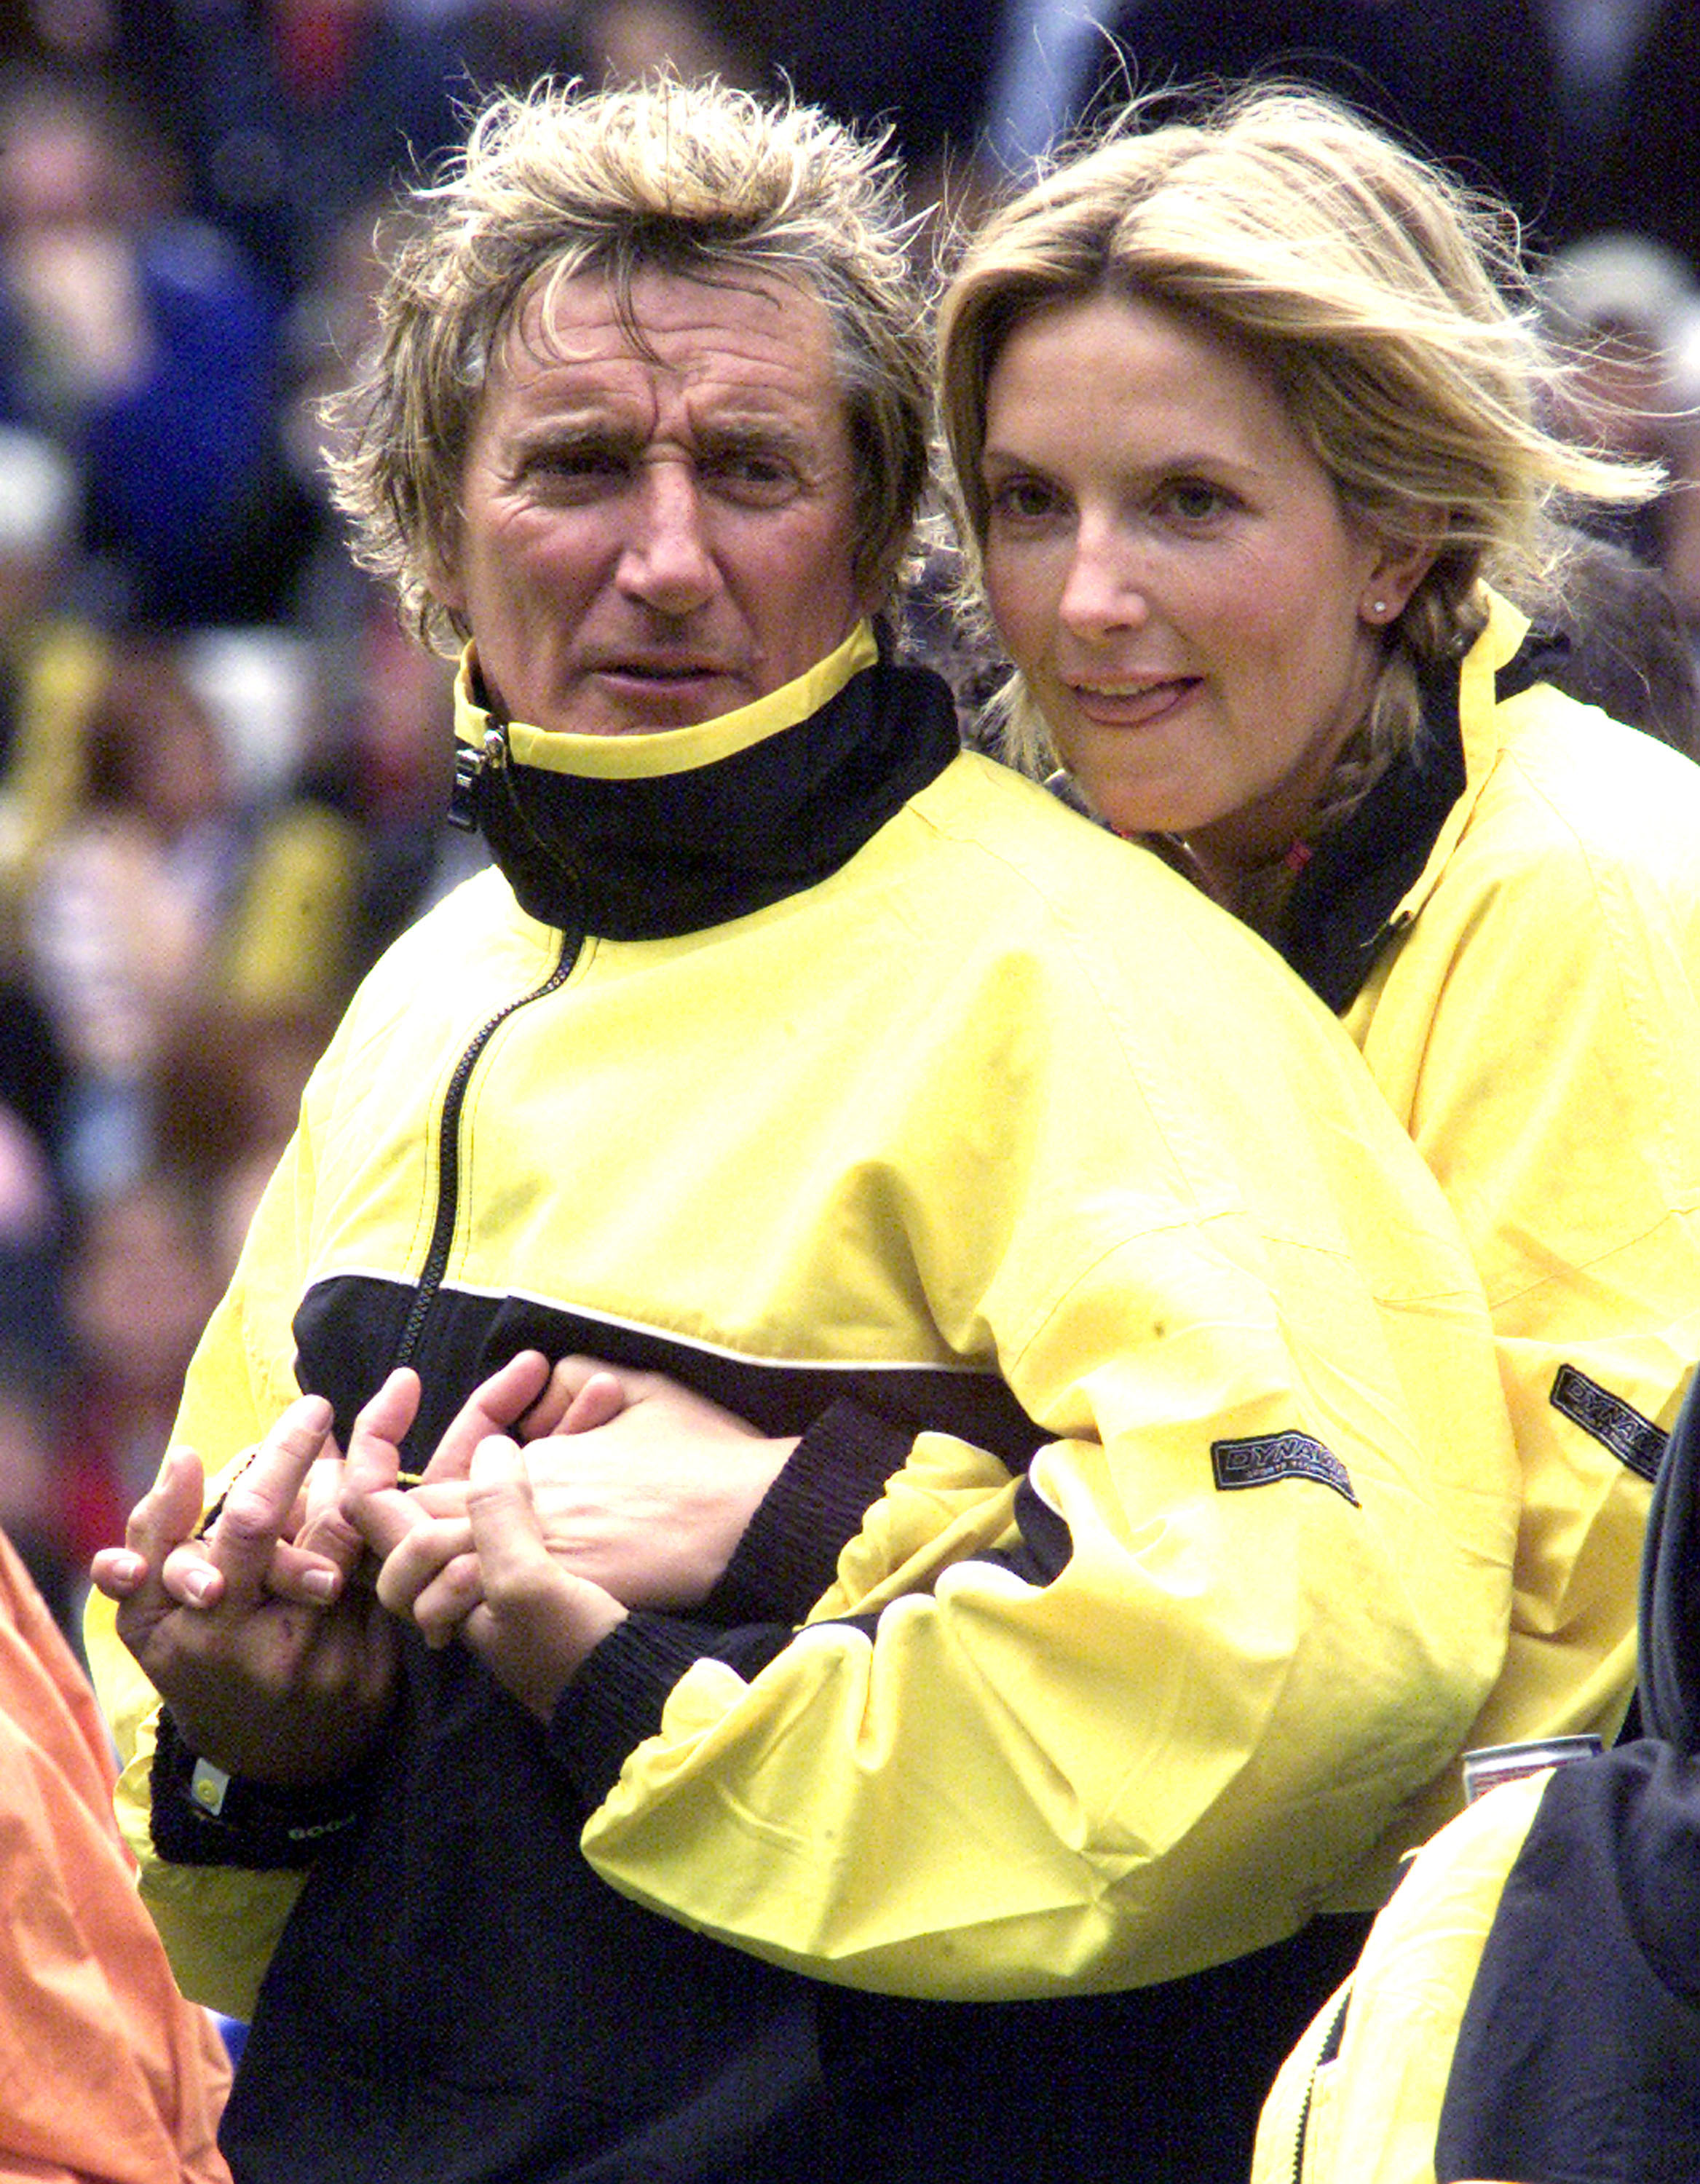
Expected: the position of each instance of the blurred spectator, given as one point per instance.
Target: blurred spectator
(1614, 304)
(35, 1502)
(1585, 113)
(53, 660)
(141, 1279)
(124, 910)
(288, 114)
(140, 341)
(1061, 61)
(1630, 653)
(925, 71)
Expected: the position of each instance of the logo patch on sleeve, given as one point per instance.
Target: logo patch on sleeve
(1265, 1457)
(1615, 1424)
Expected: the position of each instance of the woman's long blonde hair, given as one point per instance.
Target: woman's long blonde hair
(1390, 306)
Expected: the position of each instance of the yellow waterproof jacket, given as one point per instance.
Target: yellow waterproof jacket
(1511, 929)
(1193, 1565)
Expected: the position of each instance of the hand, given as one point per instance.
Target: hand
(315, 1554)
(319, 1550)
(537, 1622)
(650, 1504)
(271, 1689)
(638, 1485)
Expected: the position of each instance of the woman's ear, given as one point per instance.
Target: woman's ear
(1397, 570)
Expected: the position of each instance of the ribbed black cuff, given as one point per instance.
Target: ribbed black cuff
(788, 1555)
(202, 1816)
(616, 1699)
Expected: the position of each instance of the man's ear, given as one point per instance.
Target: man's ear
(439, 565)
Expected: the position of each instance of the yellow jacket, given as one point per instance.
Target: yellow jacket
(1532, 1012)
(1199, 1566)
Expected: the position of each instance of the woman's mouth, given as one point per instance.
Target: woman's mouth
(1130, 703)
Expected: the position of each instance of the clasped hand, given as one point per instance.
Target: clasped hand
(629, 1491)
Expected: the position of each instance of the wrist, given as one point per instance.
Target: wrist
(205, 1814)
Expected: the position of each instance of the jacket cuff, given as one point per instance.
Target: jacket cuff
(788, 1555)
(616, 1700)
(202, 1816)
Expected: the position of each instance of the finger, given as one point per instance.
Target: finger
(370, 1500)
(505, 1529)
(256, 1510)
(326, 1541)
(569, 1377)
(448, 1599)
(170, 1511)
(493, 1406)
(118, 1572)
(374, 1460)
(600, 1401)
(190, 1577)
(420, 1555)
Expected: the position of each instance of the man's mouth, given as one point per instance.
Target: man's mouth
(660, 671)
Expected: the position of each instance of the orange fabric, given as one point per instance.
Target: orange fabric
(107, 2075)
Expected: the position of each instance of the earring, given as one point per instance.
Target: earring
(1378, 608)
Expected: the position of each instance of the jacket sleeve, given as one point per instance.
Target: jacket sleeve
(219, 1924)
(1137, 1712)
(1538, 1026)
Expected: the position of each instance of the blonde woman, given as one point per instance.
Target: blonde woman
(1244, 414)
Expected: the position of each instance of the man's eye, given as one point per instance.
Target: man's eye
(571, 467)
(751, 474)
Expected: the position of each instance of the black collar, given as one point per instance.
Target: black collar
(649, 859)
(1337, 920)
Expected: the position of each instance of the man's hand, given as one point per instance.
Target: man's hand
(534, 1621)
(279, 1691)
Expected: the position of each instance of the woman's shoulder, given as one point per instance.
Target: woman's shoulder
(1568, 786)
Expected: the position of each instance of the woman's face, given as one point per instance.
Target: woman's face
(1170, 569)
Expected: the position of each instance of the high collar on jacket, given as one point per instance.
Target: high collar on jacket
(644, 837)
(1369, 878)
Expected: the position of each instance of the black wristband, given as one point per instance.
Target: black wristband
(203, 1816)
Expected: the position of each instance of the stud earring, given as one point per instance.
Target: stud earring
(1378, 608)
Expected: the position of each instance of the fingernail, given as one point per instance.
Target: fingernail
(320, 1584)
(199, 1586)
(126, 1568)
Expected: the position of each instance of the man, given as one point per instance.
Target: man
(1123, 1425)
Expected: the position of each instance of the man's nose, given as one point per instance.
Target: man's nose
(667, 561)
(1105, 587)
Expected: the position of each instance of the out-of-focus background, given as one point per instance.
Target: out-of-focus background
(223, 768)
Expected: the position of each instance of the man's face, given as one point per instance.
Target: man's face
(649, 542)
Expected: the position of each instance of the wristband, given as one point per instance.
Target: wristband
(203, 1816)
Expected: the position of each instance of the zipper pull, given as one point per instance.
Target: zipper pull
(471, 763)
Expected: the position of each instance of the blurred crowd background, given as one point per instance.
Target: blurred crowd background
(223, 769)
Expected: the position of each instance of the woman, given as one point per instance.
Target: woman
(1244, 415)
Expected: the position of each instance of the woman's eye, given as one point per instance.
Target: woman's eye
(1023, 501)
(1194, 500)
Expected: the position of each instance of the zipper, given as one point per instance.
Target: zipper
(1327, 2053)
(448, 1149)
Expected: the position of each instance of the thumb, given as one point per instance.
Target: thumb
(505, 1528)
